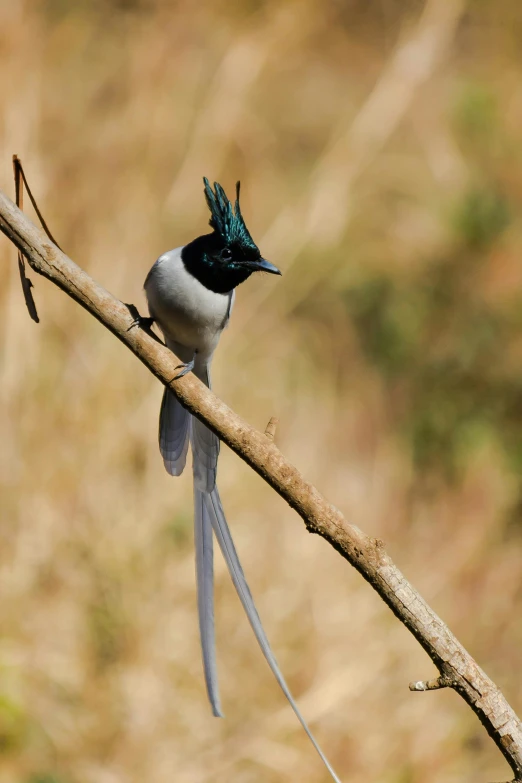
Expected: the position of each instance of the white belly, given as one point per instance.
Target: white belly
(186, 311)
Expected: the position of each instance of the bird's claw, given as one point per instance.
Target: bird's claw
(185, 368)
(142, 322)
(139, 320)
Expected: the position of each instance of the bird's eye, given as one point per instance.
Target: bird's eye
(226, 254)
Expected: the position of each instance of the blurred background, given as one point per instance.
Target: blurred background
(378, 145)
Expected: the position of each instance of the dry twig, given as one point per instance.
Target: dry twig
(271, 428)
(457, 668)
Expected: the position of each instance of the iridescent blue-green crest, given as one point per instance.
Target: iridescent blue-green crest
(227, 221)
(226, 258)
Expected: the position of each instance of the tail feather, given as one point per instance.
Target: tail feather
(205, 452)
(205, 444)
(219, 523)
(174, 432)
(177, 426)
(205, 587)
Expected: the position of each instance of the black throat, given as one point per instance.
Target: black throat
(216, 275)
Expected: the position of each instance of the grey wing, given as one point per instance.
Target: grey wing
(205, 587)
(174, 423)
(219, 523)
(174, 433)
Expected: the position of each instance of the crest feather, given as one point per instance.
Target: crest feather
(225, 220)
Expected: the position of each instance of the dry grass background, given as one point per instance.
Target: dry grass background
(379, 148)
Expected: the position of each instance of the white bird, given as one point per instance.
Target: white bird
(190, 294)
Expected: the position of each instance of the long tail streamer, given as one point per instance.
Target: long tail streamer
(214, 512)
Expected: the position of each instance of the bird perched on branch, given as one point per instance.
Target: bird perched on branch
(190, 293)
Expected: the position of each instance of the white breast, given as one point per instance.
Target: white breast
(185, 310)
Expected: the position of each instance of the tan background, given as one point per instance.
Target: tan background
(378, 144)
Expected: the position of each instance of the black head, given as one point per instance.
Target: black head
(227, 257)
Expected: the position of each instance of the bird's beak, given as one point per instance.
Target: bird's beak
(264, 266)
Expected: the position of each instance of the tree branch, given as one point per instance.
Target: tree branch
(457, 668)
(431, 685)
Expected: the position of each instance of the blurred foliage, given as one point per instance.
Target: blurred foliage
(480, 218)
(475, 115)
(13, 725)
(441, 346)
(45, 777)
(178, 530)
(438, 345)
(107, 626)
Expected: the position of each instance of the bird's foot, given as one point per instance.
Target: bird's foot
(141, 321)
(185, 367)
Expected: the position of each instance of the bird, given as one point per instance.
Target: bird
(190, 293)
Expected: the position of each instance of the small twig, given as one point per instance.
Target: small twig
(25, 281)
(271, 427)
(19, 172)
(432, 685)
(21, 180)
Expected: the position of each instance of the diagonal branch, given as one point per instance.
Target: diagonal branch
(456, 666)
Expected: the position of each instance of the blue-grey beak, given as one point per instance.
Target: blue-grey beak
(264, 266)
